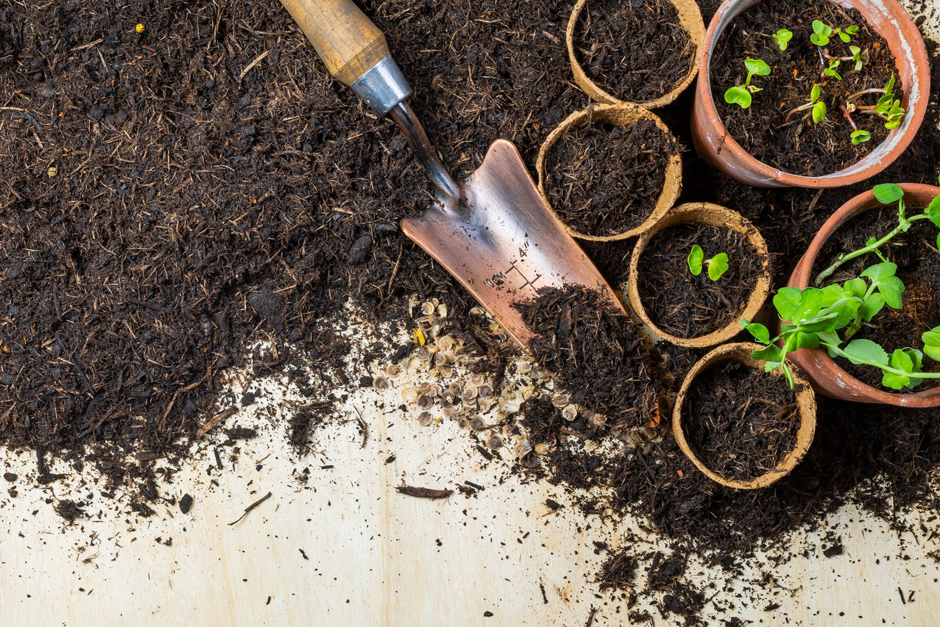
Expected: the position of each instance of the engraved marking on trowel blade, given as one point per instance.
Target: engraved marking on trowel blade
(498, 281)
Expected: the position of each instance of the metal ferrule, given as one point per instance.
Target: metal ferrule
(383, 87)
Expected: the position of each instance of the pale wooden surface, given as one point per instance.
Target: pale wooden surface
(379, 558)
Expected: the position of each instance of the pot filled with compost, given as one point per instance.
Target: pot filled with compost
(809, 93)
(642, 52)
(861, 314)
(609, 172)
(696, 273)
(742, 426)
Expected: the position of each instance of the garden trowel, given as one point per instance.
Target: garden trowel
(493, 232)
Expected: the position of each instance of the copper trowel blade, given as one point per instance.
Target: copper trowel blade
(505, 244)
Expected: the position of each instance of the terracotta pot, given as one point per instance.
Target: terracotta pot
(827, 376)
(720, 217)
(690, 17)
(616, 115)
(716, 146)
(806, 401)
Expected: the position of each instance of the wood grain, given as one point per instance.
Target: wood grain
(347, 41)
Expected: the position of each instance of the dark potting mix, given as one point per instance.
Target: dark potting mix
(740, 421)
(165, 210)
(635, 51)
(688, 305)
(778, 128)
(604, 180)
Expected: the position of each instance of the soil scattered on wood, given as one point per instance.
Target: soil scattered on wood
(798, 145)
(686, 305)
(604, 180)
(594, 351)
(739, 421)
(918, 263)
(635, 51)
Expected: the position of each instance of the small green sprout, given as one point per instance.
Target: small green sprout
(741, 94)
(931, 341)
(888, 107)
(861, 57)
(815, 103)
(717, 265)
(821, 33)
(860, 137)
(831, 70)
(846, 35)
(782, 38)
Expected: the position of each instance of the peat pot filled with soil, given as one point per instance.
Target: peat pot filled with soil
(809, 93)
(642, 52)
(881, 274)
(609, 172)
(696, 273)
(740, 425)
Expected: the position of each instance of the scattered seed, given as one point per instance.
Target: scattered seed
(541, 449)
(485, 390)
(140, 28)
(393, 370)
(425, 418)
(569, 412)
(425, 402)
(478, 424)
(381, 383)
(469, 394)
(52, 172)
(410, 395)
(494, 441)
(427, 309)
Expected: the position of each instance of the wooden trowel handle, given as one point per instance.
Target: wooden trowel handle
(347, 41)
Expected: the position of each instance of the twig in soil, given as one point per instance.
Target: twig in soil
(251, 507)
(423, 493)
(365, 429)
(394, 272)
(590, 619)
(222, 415)
(248, 67)
(141, 303)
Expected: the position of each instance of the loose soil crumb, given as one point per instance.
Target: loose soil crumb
(604, 180)
(739, 421)
(594, 351)
(635, 51)
(686, 305)
(799, 146)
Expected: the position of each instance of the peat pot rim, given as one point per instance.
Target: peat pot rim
(721, 217)
(618, 115)
(806, 402)
(690, 18)
(825, 374)
(890, 20)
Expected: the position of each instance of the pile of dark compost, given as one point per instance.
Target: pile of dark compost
(635, 51)
(604, 180)
(685, 305)
(798, 145)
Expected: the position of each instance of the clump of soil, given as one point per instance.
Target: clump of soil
(686, 305)
(634, 50)
(800, 146)
(594, 350)
(918, 264)
(739, 421)
(605, 180)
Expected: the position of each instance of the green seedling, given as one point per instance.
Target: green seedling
(817, 106)
(888, 107)
(860, 137)
(717, 265)
(831, 70)
(782, 38)
(741, 94)
(815, 316)
(821, 33)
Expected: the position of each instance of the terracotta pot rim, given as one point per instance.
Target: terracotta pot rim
(690, 17)
(906, 45)
(817, 362)
(806, 401)
(721, 217)
(630, 113)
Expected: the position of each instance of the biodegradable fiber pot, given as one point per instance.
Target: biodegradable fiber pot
(622, 114)
(716, 146)
(806, 402)
(824, 373)
(690, 17)
(720, 217)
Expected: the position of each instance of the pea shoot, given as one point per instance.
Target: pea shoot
(741, 94)
(717, 265)
(815, 104)
(815, 316)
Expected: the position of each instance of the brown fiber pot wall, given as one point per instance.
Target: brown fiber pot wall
(716, 146)
(805, 399)
(823, 372)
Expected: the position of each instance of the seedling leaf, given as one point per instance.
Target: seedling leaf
(819, 112)
(739, 96)
(888, 193)
(757, 67)
(932, 343)
(866, 352)
(717, 266)
(860, 137)
(696, 257)
(782, 37)
(762, 334)
(786, 300)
